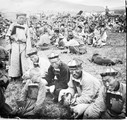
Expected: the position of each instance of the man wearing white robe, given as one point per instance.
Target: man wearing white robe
(18, 42)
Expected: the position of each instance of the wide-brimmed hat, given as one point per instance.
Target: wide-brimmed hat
(75, 63)
(53, 55)
(32, 51)
(20, 14)
(109, 72)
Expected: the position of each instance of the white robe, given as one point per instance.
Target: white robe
(43, 63)
(19, 63)
(72, 42)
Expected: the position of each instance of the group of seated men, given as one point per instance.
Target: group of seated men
(87, 96)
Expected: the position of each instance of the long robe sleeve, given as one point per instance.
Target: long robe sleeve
(90, 87)
(63, 78)
(8, 34)
(24, 91)
(50, 75)
(87, 93)
(41, 95)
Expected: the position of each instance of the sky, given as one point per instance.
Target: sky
(103, 3)
(21, 4)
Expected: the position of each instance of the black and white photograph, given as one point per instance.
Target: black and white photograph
(63, 59)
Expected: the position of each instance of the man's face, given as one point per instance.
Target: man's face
(70, 27)
(35, 78)
(34, 58)
(76, 73)
(79, 29)
(109, 82)
(56, 34)
(54, 62)
(21, 19)
(62, 26)
(102, 29)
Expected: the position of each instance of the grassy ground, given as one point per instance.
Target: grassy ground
(115, 48)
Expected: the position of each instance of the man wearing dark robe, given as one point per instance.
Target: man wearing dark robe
(58, 75)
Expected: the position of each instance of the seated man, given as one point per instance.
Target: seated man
(5, 109)
(62, 41)
(78, 34)
(96, 35)
(103, 36)
(32, 94)
(71, 41)
(44, 41)
(74, 46)
(115, 95)
(39, 60)
(58, 75)
(98, 59)
(83, 92)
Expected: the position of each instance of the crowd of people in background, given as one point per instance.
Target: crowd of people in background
(63, 30)
(4, 25)
(67, 30)
(70, 85)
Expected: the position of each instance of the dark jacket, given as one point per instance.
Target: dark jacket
(62, 77)
(96, 58)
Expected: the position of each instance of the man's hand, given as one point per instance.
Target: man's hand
(52, 88)
(73, 101)
(62, 93)
(67, 99)
(79, 109)
(5, 79)
(26, 76)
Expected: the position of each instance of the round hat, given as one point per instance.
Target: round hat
(32, 51)
(53, 55)
(20, 14)
(74, 63)
(109, 72)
